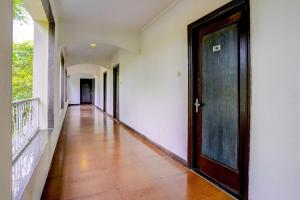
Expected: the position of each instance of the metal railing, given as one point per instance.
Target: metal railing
(25, 124)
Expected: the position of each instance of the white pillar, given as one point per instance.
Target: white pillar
(6, 25)
(40, 69)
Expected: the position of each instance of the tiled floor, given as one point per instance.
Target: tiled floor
(96, 158)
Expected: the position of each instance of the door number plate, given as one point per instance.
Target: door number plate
(217, 48)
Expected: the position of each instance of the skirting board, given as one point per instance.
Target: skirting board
(109, 115)
(73, 105)
(169, 153)
(99, 108)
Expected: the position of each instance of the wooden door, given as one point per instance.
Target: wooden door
(220, 100)
(116, 92)
(104, 91)
(86, 91)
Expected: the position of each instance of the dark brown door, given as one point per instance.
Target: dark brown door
(116, 92)
(86, 91)
(220, 101)
(104, 90)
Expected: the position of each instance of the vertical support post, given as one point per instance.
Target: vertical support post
(40, 71)
(6, 24)
(51, 45)
(51, 75)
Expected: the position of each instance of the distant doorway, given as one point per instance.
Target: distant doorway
(86, 91)
(104, 91)
(116, 92)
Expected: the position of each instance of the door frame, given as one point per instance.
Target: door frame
(116, 91)
(193, 30)
(93, 91)
(104, 91)
(92, 88)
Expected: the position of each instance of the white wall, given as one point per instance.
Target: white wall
(99, 96)
(5, 99)
(84, 68)
(72, 60)
(74, 87)
(275, 132)
(154, 83)
(85, 71)
(154, 89)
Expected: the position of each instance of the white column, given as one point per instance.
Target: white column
(40, 69)
(6, 25)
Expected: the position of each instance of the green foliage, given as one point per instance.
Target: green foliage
(20, 13)
(22, 58)
(22, 70)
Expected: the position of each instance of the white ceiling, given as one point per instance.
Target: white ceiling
(91, 19)
(127, 13)
(101, 50)
(85, 54)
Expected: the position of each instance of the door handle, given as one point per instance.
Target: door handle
(198, 105)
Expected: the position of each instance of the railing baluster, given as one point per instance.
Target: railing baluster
(25, 123)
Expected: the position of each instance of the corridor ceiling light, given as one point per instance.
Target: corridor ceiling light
(93, 45)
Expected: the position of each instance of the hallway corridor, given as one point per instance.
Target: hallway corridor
(97, 158)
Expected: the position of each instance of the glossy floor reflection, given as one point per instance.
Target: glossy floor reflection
(97, 158)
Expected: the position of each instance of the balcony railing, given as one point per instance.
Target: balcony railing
(25, 124)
